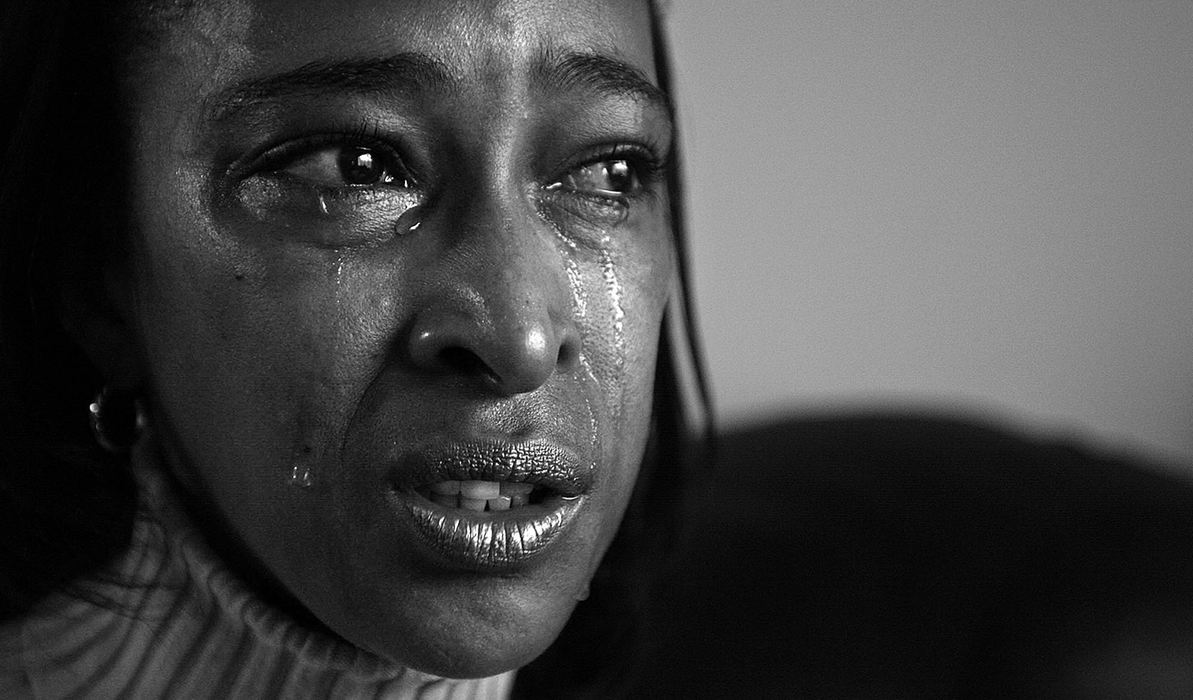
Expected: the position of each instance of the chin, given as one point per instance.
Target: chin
(467, 627)
(478, 650)
(478, 655)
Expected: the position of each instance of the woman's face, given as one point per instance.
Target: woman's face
(397, 277)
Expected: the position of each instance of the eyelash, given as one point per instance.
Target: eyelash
(646, 168)
(275, 161)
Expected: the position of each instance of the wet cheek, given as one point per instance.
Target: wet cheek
(619, 300)
(340, 330)
(277, 349)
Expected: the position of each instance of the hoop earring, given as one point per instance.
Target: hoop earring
(117, 420)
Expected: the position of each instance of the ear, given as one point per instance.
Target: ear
(96, 311)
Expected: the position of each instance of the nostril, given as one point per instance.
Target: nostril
(568, 355)
(466, 362)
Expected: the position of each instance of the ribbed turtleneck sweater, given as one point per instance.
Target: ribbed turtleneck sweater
(169, 619)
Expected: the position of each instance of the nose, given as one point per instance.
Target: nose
(510, 355)
(501, 313)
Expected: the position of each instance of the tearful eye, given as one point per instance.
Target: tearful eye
(607, 178)
(330, 190)
(350, 166)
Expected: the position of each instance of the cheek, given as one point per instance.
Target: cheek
(259, 355)
(619, 308)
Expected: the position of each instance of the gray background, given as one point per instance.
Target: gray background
(982, 207)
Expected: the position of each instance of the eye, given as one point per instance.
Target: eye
(331, 191)
(350, 166)
(615, 177)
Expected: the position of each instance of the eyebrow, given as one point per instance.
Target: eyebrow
(600, 73)
(365, 76)
(418, 72)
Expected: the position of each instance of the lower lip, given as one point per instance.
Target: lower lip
(490, 540)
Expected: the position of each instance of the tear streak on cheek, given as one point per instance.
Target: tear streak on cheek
(322, 411)
(614, 292)
(592, 387)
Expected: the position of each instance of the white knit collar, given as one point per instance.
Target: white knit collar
(163, 520)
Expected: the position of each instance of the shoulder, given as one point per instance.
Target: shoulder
(896, 555)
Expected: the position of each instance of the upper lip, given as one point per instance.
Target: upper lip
(539, 462)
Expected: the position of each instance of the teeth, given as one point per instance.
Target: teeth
(478, 496)
(509, 488)
(480, 489)
(476, 504)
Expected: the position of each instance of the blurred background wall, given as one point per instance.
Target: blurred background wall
(977, 206)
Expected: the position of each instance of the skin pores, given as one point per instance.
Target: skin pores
(381, 248)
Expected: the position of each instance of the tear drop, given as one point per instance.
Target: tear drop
(301, 474)
(408, 222)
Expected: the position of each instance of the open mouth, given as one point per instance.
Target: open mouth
(491, 505)
(480, 496)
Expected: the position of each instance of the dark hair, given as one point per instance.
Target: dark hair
(66, 506)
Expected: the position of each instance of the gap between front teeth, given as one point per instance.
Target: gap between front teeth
(478, 496)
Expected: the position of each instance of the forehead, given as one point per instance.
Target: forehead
(489, 39)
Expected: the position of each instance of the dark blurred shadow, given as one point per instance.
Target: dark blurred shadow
(888, 556)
